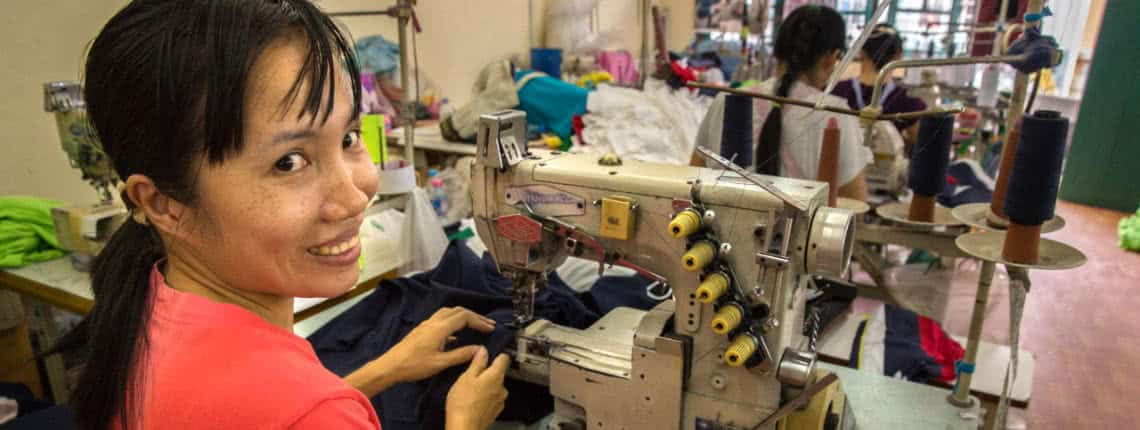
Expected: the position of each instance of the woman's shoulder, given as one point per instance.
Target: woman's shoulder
(239, 376)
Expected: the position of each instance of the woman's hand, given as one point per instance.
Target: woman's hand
(421, 354)
(478, 396)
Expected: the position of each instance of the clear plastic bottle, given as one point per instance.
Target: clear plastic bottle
(438, 197)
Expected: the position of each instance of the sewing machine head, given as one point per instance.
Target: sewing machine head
(83, 229)
(738, 259)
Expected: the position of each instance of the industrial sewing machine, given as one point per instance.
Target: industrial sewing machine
(83, 229)
(729, 350)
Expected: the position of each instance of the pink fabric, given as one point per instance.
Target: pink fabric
(216, 365)
(619, 64)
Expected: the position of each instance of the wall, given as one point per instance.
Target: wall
(458, 39)
(41, 41)
(45, 40)
(1101, 166)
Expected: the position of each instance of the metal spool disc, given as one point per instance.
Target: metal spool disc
(857, 207)
(974, 215)
(1051, 254)
(899, 211)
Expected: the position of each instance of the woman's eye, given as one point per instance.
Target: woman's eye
(351, 139)
(290, 163)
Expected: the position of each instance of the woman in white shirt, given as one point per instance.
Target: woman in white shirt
(808, 45)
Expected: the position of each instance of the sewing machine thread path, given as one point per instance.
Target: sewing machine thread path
(713, 361)
(83, 229)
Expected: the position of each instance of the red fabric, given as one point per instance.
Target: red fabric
(215, 365)
(684, 73)
(940, 346)
(578, 126)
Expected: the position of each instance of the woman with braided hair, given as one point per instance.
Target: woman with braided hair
(809, 44)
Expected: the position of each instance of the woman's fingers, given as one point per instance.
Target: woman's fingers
(466, 318)
(498, 370)
(461, 355)
(478, 362)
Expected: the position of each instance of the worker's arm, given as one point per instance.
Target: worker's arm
(856, 189)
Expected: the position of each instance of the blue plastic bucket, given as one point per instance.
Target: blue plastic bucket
(547, 61)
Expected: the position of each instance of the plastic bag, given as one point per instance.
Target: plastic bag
(422, 239)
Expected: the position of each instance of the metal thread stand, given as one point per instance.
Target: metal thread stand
(961, 394)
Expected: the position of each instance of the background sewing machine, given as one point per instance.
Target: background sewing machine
(732, 349)
(85, 228)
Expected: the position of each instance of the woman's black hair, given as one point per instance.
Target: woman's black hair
(806, 35)
(165, 85)
(882, 46)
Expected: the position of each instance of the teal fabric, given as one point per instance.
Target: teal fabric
(551, 103)
(26, 231)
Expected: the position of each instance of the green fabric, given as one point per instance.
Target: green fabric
(26, 231)
(1129, 232)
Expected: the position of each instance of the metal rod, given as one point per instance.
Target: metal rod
(876, 95)
(769, 187)
(839, 110)
(409, 111)
(1021, 82)
(961, 394)
(359, 13)
(645, 55)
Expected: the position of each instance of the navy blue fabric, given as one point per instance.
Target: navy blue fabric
(372, 326)
(904, 354)
(964, 186)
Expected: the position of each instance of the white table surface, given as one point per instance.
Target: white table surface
(60, 275)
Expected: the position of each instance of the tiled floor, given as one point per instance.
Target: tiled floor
(1080, 323)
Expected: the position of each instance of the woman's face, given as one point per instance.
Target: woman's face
(282, 216)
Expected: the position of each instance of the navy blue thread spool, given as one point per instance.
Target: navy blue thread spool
(736, 131)
(927, 174)
(1033, 182)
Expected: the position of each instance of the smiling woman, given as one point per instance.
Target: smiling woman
(234, 124)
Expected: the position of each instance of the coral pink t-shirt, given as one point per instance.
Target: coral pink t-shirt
(218, 366)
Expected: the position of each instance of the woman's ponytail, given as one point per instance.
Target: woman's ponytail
(809, 33)
(113, 334)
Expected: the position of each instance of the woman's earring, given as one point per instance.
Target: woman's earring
(139, 217)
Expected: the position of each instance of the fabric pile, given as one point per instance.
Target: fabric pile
(896, 342)
(379, 321)
(657, 124)
(27, 234)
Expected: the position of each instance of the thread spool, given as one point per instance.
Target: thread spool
(736, 130)
(699, 256)
(714, 286)
(740, 350)
(727, 318)
(927, 174)
(685, 223)
(1008, 152)
(828, 170)
(1036, 173)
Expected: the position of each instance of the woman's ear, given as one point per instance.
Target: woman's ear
(160, 210)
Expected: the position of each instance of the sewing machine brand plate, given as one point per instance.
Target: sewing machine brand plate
(547, 200)
(519, 228)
